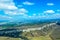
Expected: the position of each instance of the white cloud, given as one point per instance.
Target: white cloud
(56, 15)
(34, 14)
(20, 11)
(58, 10)
(8, 6)
(5, 17)
(19, 6)
(28, 3)
(23, 11)
(5, 0)
(29, 16)
(50, 4)
(49, 11)
(10, 12)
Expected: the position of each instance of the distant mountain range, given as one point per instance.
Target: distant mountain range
(27, 22)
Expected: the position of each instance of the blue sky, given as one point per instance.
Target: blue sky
(12, 10)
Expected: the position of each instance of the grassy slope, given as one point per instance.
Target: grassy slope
(8, 38)
(40, 38)
(34, 35)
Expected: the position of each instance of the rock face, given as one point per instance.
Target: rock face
(56, 33)
(48, 30)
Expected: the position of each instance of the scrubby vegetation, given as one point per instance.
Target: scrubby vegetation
(48, 33)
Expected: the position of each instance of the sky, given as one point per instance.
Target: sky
(12, 10)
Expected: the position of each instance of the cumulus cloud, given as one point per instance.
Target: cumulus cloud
(20, 11)
(49, 11)
(2, 17)
(50, 4)
(8, 6)
(28, 3)
(34, 14)
(57, 15)
(30, 16)
(10, 12)
(58, 10)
